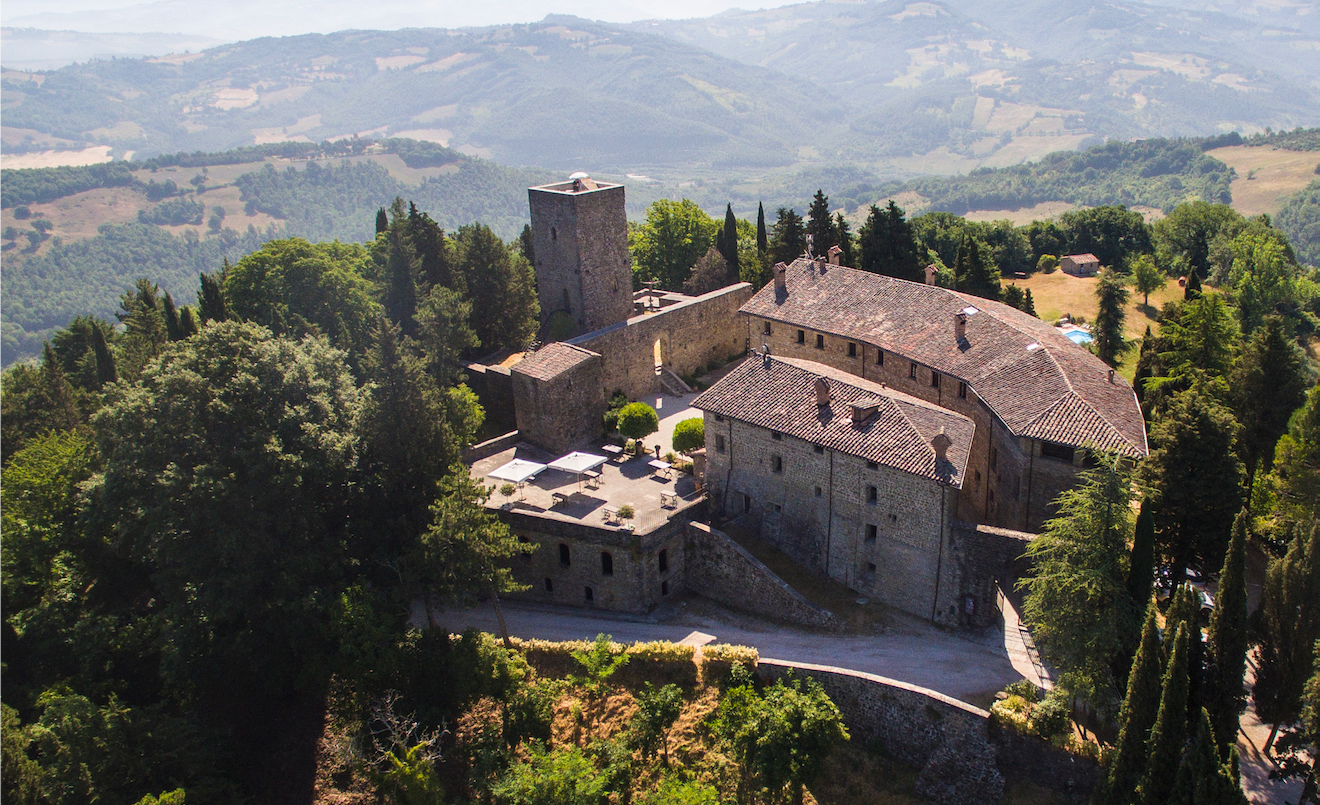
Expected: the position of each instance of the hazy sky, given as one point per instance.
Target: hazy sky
(248, 18)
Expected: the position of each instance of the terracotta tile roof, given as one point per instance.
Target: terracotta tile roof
(1082, 258)
(552, 359)
(780, 395)
(1033, 377)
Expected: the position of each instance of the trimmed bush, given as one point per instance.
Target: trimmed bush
(638, 420)
(689, 435)
(718, 658)
(657, 662)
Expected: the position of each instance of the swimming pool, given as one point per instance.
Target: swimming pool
(1080, 336)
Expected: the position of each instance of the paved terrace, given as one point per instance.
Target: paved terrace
(622, 481)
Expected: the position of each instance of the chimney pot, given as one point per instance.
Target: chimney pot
(1111, 375)
(781, 284)
(941, 443)
(931, 271)
(822, 392)
(836, 255)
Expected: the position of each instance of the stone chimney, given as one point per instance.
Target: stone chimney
(960, 326)
(1111, 375)
(781, 285)
(836, 255)
(862, 410)
(931, 271)
(941, 443)
(822, 392)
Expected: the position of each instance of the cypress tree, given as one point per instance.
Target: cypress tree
(1288, 627)
(400, 269)
(1141, 563)
(382, 221)
(1228, 639)
(820, 224)
(1202, 778)
(211, 304)
(845, 239)
(173, 329)
(62, 412)
(730, 238)
(1167, 737)
(1029, 305)
(762, 239)
(1112, 297)
(105, 361)
(188, 322)
(1135, 719)
(1193, 289)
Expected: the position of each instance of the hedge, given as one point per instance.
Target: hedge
(658, 662)
(718, 658)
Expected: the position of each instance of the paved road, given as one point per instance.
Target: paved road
(965, 667)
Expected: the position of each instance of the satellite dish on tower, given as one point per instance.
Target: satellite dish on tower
(580, 175)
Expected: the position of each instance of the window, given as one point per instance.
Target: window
(934, 379)
(872, 494)
(871, 533)
(852, 350)
(549, 585)
(777, 436)
(564, 558)
(719, 418)
(871, 465)
(526, 546)
(664, 560)
(820, 449)
(777, 463)
(870, 568)
(719, 443)
(819, 491)
(962, 389)
(664, 588)
(767, 328)
(606, 564)
(587, 595)
(1062, 452)
(912, 371)
(991, 495)
(994, 458)
(747, 502)
(820, 341)
(554, 235)
(778, 508)
(802, 336)
(879, 357)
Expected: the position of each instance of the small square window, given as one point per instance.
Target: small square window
(870, 567)
(820, 449)
(879, 357)
(934, 380)
(962, 390)
(912, 371)
(819, 491)
(777, 463)
(872, 494)
(820, 341)
(802, 336)
(664, 560)
(871, 465)
(719, 443)
(777, 436)
(767, 328)
(871, 533)
(778, 508)
(719, 418)
(852, 350)
(549, 585)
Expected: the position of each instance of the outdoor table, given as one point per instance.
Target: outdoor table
(517, 472)
(614, 450)
(663, 468)
(577, 463)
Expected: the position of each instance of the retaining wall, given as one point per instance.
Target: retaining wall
(722, 570)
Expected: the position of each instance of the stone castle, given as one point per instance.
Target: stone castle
(900, 438)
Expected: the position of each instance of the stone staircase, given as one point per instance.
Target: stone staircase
(672, 383)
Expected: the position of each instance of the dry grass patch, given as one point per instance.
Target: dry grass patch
(1266, 176)
(1058, 294)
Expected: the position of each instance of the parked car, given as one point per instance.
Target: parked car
(1164, 589)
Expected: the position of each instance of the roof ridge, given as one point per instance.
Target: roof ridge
(1074, 396)
(912, 427)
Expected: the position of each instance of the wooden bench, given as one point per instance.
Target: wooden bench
(668, 501)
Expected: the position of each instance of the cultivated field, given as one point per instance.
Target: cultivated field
(1266, 176)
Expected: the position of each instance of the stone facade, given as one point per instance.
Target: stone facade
(580, 242)
(560, 409)
(641, 571)
(687, 337)
(1011, 482)
(817, 510)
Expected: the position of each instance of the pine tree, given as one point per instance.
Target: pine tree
(62, 412)
(1029, 305)
(1193, 288)
(1225, 697)
(1288, 626)
(211, 305)
(1168, 735)
(820, 225)
(1269, 383)
(105, 361)
(432, 250)
(730, 237)
(1109, 319)
(902, 245)
(173, 329)
(524, 240)
(400, 273)
(845, 239)
(382, 221)
(788, 241)
(1135, 718)
(762, 239)
(1145, 366)
(873, 242)
(974, 274)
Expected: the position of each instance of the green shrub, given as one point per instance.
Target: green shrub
(617, 403)
(718, 659)
(627, 512)
(689, 435)
(1052, 717)
(637, 420)
(1024, 688)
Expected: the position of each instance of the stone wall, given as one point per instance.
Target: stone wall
(961, 753)
(493, 386)
(722, 570)
(636, 582)
(817, 509)
(981, 558)
(580, 242)
(564, 411)
(490, 447)
(691, 335)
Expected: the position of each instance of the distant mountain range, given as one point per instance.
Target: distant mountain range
(873, 89)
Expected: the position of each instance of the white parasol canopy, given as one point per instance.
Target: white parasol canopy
(517, 471)
(578, 463)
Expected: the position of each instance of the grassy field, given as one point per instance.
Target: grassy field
(1266, 176)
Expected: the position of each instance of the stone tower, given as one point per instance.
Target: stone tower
(580, 242)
